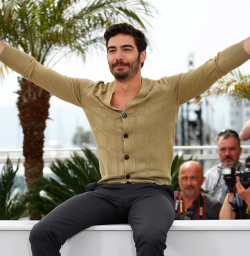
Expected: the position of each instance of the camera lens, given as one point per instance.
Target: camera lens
(245, 180)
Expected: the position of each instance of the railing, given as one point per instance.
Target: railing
(51, 154)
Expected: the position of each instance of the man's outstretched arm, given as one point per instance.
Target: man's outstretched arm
(66, 88)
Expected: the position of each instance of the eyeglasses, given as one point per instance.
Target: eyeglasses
(228, 131)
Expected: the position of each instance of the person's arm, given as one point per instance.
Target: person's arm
(2, 45)
(66, 88)
(245, 131)
(191, 84)
(226, 212)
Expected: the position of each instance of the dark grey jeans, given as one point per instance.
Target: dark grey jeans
(147, 207)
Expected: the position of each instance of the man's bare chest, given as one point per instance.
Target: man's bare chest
(120, 102)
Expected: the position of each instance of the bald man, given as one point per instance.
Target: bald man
(190, 203)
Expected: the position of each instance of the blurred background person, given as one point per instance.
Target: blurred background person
(190, 203)
(229, 151)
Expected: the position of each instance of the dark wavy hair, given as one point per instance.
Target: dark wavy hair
(127, 29)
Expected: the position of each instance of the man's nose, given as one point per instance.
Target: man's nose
(227, 152)
(118, 55)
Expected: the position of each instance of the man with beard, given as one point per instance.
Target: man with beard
(229, 151)
(133, 121)
(190, 203)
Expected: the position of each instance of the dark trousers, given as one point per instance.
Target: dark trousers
(147, 207)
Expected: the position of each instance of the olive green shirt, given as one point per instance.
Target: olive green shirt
(135, 144)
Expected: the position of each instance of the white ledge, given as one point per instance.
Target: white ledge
(196, 238)
(178, 225)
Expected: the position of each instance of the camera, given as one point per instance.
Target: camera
(229, 177)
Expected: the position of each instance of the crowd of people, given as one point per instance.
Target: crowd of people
(223, 192)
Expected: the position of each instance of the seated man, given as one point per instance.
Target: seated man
(229, 152)
(236, 204)
(190, 203)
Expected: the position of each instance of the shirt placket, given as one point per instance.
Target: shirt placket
(127, 151)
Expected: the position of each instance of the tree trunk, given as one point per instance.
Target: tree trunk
(33, 105)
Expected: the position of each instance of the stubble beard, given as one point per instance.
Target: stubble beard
(125, 76)
(227, 164)
(190, 194)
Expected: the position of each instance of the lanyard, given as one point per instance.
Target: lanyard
(180, 205)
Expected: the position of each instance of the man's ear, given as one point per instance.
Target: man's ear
(143, 56)
(203, 179)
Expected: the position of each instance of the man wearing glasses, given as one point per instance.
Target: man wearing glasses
(229, 151)
(190, 203)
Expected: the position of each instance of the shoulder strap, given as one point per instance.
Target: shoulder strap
(201, 207)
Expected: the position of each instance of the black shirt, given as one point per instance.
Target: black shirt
(212, 208)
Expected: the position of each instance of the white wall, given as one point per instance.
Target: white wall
(192, 238)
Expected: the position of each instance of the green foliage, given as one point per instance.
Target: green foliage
(72, 177)
(48, 27)
(12, 206)
(234, 86)
(175, 167)
(3, 70)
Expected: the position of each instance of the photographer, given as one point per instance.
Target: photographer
(190, 203)
(229, 151)
(237, 203)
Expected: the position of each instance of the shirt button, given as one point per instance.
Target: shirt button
(127, 177)
(126, 157)
(125, 136)
(124, 115)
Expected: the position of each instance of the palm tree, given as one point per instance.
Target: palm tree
(49, 30)
(234, 86)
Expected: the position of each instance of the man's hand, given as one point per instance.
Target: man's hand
(2, 45)
(245, 131)
(243, 192)
(246, 45)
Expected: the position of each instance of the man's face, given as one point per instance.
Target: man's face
(190, 180)
(123, 57)
(229, 151)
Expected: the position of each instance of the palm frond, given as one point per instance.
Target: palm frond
(234, 86)
(3, 70)
(12, 207)
(71, 178)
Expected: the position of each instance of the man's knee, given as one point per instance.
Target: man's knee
(150, 236)
(40, 232)
(36, 233)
